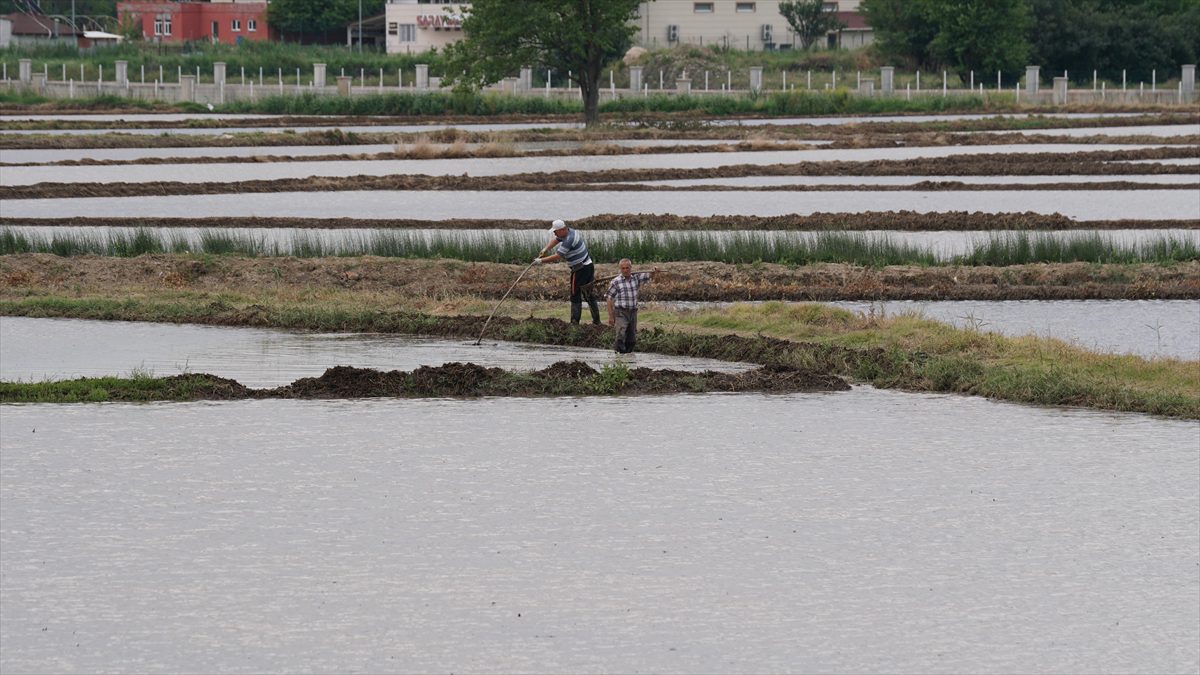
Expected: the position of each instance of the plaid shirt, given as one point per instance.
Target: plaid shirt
(624, 291)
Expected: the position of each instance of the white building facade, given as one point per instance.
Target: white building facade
(415, 26)
(750, 25)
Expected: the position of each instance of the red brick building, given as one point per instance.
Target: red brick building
(229, 22)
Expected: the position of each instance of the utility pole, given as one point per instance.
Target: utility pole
(359, 26)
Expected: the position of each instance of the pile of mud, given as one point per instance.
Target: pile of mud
(455, 380)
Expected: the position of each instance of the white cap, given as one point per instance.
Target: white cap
(557, 225)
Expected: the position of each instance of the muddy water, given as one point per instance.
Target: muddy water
(440, 205)
(1150, 328)
(771, 181)
(500, 166)
(1164, 130)
(61, 349)
(864, 531)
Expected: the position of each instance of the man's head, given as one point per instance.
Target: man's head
(559, 228)
(626, 266)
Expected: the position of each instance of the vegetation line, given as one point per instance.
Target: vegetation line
(904, 352)
(1000, 249)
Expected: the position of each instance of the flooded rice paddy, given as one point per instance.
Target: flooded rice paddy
(502, 166)
(446, 204)
(61, 349)
(862, 531)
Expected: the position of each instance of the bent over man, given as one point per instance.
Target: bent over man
(622, 304)
(571, 249)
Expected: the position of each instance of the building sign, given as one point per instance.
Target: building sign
(439, 21)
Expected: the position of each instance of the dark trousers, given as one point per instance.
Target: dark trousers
(626, 322)
(582, 289)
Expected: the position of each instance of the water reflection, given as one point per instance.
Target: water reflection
(440, 205)
(61, 349)
(862, 531)
(502, 166)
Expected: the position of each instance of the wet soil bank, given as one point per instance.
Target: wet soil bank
(699, 281)
(421, 149)
(898, 221)
(1019, 164)
(470, 380)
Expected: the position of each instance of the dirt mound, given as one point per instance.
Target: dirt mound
(207, 387)
(453, 379)
(567, 370)
(345, 382)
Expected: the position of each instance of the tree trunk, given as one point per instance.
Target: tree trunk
(589, 86)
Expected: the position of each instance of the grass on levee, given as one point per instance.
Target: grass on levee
(904, 351)
(860, 248)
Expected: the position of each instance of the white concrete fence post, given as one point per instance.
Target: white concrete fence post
(1188, 82)
(187, 87)
(422, 76)
(219, 73)
(1060, 91)
(635, 79)
(683, 84)
(756, 79)
(122, 74)
(887, 76)
(525, 83)
(343, 85)
(1031, 79)
(318, 75)
(25, 70)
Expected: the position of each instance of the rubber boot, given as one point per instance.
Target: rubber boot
(577, 311)
(595, 307)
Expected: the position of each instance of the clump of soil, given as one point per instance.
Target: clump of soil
(567, 370)
(468, 380)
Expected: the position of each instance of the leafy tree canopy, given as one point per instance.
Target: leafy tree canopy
(809, 20)
(579, 36)
(317, 16)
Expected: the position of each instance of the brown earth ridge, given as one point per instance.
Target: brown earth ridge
(691, 281)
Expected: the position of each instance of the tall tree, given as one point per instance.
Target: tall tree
(809, 20)
(981, 35)
(962, 35)
(903, 29)
(317, 16)
(579, 36)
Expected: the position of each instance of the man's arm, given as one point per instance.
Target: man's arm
(612, 316)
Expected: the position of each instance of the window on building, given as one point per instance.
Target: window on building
(158, 26)
(236, 25)
(407, 32)
(702, 7)
(252, 25)
(745, 7)
(830, 6)
(166, 24)
(162, 24)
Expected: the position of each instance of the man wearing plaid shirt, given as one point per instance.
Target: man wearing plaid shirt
(622, 304)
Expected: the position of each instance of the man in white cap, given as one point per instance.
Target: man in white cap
(570, 248)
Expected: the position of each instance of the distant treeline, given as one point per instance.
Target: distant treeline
(1137, 37)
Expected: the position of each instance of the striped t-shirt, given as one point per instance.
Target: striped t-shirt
(573, 250)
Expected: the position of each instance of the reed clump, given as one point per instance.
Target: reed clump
(874, 249)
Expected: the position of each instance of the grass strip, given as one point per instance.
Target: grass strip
(905, 352)
(868, 249)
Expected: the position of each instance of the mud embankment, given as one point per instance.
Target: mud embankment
(459, 380)
(897, 221)
(1016, 164)
(440, 280)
